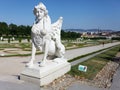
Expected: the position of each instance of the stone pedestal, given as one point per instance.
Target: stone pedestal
(45, 75)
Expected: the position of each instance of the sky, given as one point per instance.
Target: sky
(77, 14)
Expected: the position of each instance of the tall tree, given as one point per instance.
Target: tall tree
(13, 29)
(3, 28)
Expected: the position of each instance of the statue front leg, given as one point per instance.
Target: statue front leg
(30, 64)
(46, 45)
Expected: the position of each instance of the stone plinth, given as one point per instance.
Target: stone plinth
(45, 75)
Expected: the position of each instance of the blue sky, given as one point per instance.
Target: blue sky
(77, 14)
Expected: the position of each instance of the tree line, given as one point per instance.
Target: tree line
(13, 30)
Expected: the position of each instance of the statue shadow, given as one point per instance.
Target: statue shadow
(17, 76)
(25, 62)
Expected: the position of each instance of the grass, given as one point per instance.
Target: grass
(7, 45)
(15, 45)
(76, 58)
(93, 68)
(73, 45)
(27, 47)
(94, 64)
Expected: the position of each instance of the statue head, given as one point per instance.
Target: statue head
(40, 11)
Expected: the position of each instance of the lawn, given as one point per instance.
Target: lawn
(15, 45)
(94, 64)
(26, 47)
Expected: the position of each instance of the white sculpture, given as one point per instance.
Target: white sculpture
(46, 36)
(1, 38)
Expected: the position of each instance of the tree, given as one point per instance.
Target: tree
(13, 29)
(22, 30)
(3, 28)
(69, 35)
(27, 31)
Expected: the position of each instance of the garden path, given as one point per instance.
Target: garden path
(10, 67)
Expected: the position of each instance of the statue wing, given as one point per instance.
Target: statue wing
(56, 27)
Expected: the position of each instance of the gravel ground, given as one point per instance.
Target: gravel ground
(10, 67)
(102, 81)
(116, 81)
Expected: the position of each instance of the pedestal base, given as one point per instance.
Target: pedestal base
(45, 75)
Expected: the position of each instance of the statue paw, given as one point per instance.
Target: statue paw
(42, 64)
(30, 64)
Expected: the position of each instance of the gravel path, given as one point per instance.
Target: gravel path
(86, 58)
(78, 86)
(82, 51)
(10, 67)
(115, 84)
(15, 86)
